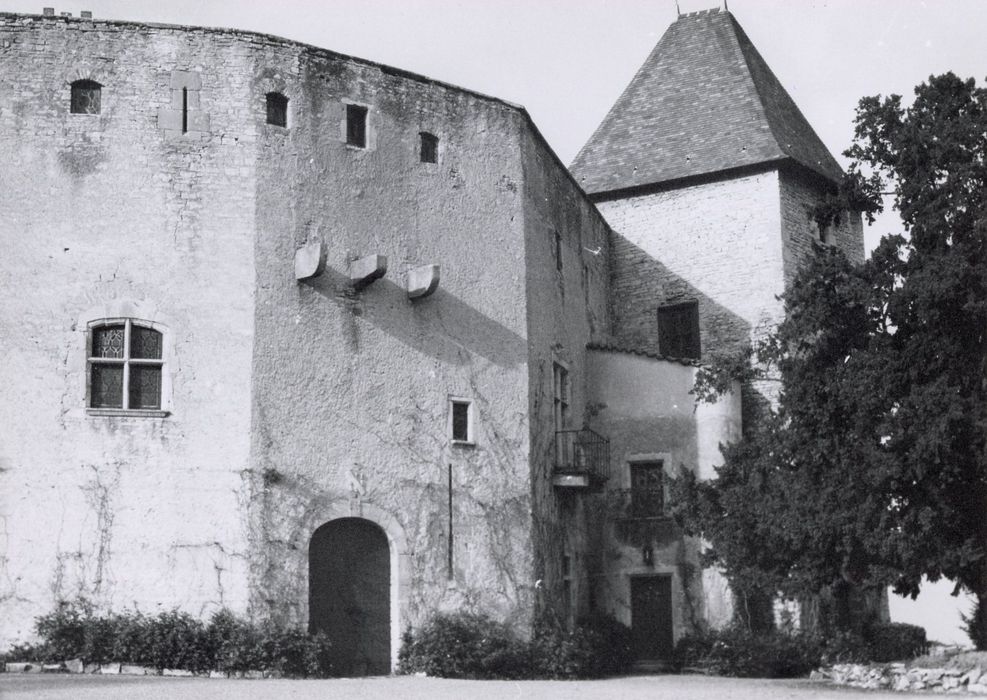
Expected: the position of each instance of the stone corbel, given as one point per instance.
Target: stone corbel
(310, 260)
(423, 281)
(367, 269)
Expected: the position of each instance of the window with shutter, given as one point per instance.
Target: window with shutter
(678, 330)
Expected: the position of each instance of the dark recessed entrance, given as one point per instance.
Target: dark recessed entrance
(651, 618)
(349, 594)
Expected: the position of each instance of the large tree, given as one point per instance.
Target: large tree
(872, 470)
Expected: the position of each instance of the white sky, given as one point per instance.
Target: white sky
(568, 60)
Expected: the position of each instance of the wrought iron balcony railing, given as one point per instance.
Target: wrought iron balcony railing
(582, 459)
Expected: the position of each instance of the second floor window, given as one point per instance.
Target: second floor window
(647, 490)
(125, 366)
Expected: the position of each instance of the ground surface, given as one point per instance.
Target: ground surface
(63, 687)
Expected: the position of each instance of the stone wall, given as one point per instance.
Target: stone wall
(352, 386)
(288, 403)
(108, 215)
(801, 192)
(567, 307)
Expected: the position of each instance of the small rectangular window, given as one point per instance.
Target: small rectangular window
(678, 330)
(277, 109)
(647, 490)
(461, 420)
(86, 96)
(356, 126)
(429, 147)
(561, 398)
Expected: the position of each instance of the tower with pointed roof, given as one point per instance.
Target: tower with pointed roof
(707, 170)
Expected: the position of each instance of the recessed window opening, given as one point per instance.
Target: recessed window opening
(647, 490)
(86, 97)
(356, 126)
(461, 420)
(184, 110)
(429, 151)
(558, 251)
(678, 330)
(561, 396)
(277, 109)
(125, 366)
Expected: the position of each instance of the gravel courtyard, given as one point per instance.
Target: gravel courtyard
(63, 687)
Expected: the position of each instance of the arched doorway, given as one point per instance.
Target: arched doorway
(349, 590)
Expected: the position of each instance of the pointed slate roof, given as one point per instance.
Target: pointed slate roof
(704, 101)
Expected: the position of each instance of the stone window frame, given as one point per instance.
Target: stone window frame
(142, 314)
(370, 131)
(470, 440)
(662, 458)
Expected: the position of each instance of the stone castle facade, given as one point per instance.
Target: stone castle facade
(312, 338)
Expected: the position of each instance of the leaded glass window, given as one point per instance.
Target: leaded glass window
(86, 97)
(125, 366)
(647, 490)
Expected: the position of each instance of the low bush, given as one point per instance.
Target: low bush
(465, 645)
(737, 652)
(896, 641)
(598, 646)
(175, 639)
(470, 645)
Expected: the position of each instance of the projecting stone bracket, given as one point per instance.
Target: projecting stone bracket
(367, 269)
(422, 281)
(310, 260)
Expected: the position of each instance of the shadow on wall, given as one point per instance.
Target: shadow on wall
(642, 284)
(441, 326)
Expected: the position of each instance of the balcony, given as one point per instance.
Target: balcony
(582, 460)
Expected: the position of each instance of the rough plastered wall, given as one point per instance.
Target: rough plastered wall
(644, 405)
(567, 308)
(717, 242)
(107, 215)
(351, 400)
(799, 194)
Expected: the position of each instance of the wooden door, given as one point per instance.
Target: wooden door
(651, 617)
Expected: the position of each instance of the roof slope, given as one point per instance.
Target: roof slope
(704, 101)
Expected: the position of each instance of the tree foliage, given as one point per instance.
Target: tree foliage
(872, 469)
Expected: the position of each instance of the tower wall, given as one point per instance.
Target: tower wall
(716, 242)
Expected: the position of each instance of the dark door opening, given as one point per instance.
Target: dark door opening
(349, 594)
(651, 617)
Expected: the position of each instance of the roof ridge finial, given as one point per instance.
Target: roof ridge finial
(678, 10)
(726, 7)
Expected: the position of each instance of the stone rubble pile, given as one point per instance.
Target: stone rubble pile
(897, 676)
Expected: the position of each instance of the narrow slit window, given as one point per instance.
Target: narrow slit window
(429, 151)
(184, 110)
(86, 97)
(558, 251)
(277, 109)
(356, 126)
(461, 420)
